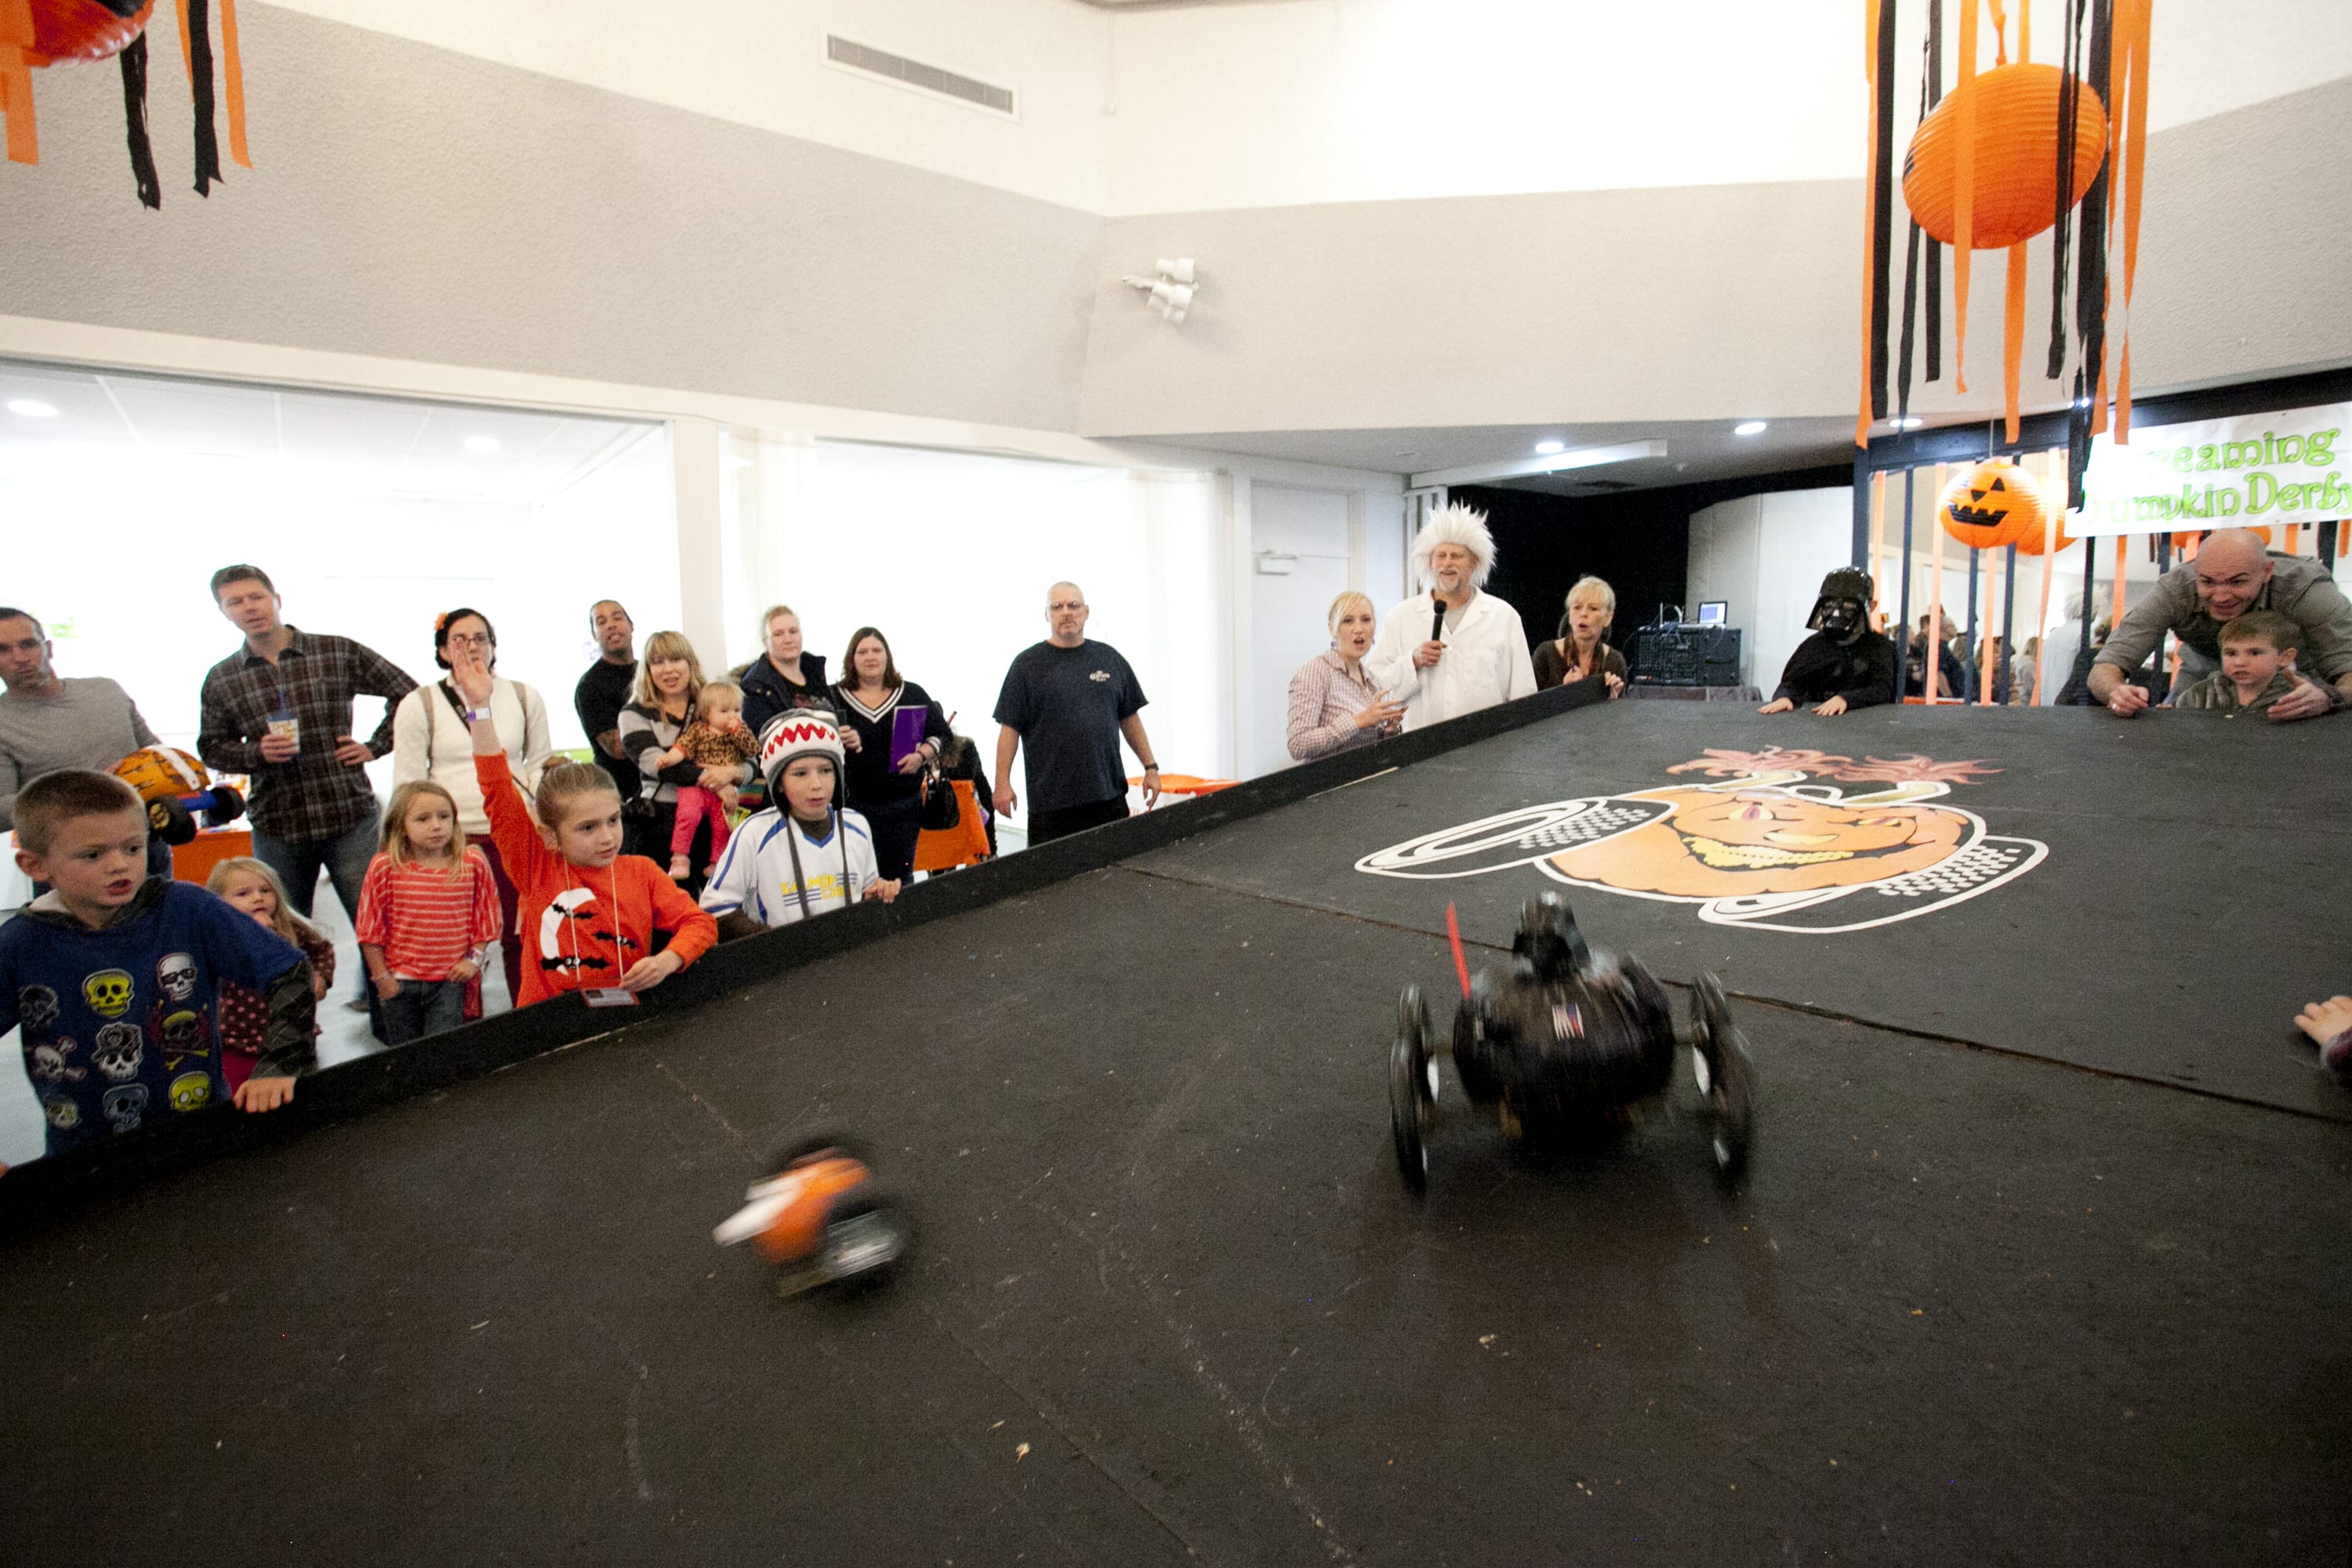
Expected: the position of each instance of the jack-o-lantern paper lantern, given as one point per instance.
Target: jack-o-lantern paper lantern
(2017, 158)
(2030, 542)
(1993, 504)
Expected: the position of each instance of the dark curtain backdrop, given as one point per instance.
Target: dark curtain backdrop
(1639, 543)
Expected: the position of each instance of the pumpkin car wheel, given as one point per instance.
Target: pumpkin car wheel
(171, 821)
(867, 1232)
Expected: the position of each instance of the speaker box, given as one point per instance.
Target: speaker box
(1685, 656)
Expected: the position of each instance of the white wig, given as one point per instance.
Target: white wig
(1454, 524)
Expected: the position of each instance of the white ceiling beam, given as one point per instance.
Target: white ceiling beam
(1581, 457)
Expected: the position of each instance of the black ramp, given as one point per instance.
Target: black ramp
(2188, 898)
(1172, 1304)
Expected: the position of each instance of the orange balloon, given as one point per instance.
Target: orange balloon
(1992, 504)
(2016, 157)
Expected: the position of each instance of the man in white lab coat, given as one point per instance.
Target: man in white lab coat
(1454, 649)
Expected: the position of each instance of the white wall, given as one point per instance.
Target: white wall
(1765, 557)
(1194, 108)
(761, 63)
(951, 553)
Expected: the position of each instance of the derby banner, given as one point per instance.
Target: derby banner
(2247, 472)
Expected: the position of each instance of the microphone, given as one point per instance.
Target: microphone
(1437, 621)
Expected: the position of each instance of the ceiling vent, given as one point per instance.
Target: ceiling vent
(897, 68)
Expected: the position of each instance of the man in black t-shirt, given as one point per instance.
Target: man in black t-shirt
(602, 691)
(1070, 701)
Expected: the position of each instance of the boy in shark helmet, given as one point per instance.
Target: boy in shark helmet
(1453, 649)
(1843, 665)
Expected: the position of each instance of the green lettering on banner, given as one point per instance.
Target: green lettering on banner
(2227, 504)
(2319, 448)
(2289, 449)
(2290, 496)
(2335, 496)
(2204, 454)
(2240, 454)
(2262, 492)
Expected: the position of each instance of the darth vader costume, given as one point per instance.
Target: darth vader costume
(1843, 657)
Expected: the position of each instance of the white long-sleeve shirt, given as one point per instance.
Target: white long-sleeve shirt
(430, 740)
(1486, 660)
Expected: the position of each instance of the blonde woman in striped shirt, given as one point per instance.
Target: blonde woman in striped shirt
(1333, 704)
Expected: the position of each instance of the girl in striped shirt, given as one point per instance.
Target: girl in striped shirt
(428, 914)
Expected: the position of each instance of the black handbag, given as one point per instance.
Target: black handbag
(940, 809)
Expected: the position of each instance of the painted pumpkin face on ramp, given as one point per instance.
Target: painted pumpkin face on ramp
(1766, 848)
(1716, 845)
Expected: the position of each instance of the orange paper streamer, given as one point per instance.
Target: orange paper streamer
(2049, 568)
(1964, 192)
(233, 77)
(1869, 214)
(187, 51)
(1935, 681)
(1878, 548)
(2012, 338)
(2132, 20)
(16, 81)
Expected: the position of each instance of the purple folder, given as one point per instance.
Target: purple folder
(906, 734)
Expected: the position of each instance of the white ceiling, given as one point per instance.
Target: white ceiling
(1696, 451)
(372, 445)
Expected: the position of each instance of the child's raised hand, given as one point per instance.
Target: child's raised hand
(258, 1094)
(469, 672)
(647, 972)
(883, 888)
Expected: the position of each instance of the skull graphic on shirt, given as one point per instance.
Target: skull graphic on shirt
(177, 975)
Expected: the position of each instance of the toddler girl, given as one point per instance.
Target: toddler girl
(251, 887)
(428, 916)
(716, 739)
(589, 912)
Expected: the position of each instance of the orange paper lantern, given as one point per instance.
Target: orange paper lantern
(2016, 141)
(1993, 504)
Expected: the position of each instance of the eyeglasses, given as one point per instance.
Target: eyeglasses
(476, 639)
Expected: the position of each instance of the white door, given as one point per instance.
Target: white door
(1302, 558)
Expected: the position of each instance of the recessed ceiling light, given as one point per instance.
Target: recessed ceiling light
(32, 408)
(1749, 428)
(1546, 448)
(1912, 423)
(485, 444)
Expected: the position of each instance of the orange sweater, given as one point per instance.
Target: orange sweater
(563, 912)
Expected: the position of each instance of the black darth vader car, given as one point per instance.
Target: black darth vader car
(1567, 1044)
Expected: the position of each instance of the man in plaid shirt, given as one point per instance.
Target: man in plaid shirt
(311, 804)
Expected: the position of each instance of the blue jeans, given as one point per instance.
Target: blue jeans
(298, 862)
(423, 1007)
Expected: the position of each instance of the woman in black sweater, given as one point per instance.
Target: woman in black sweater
(888, 794)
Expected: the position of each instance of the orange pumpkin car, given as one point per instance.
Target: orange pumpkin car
(821, 1218)
(175, 786)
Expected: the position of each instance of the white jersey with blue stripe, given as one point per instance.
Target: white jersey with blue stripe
(755, 875)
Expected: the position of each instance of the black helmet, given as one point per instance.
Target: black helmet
(1842, 608)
